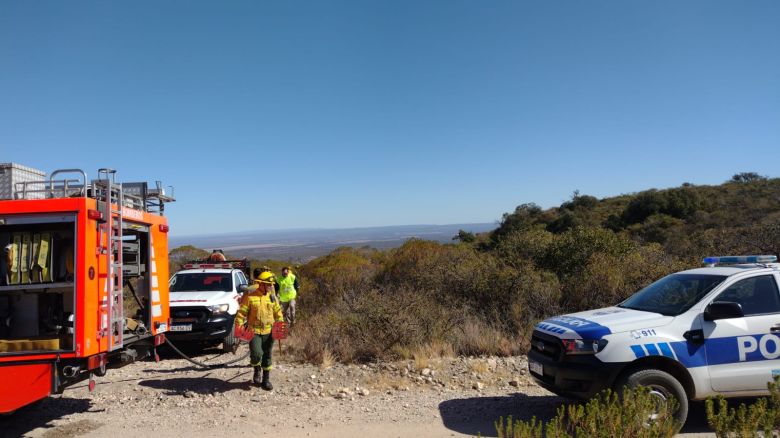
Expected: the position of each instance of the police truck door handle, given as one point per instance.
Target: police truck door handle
(775, 328)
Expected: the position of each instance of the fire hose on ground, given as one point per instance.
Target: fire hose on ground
(278, 332)
(203, 364)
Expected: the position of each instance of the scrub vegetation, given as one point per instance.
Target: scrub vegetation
(605, 416)
(483, 293)
(760, 418)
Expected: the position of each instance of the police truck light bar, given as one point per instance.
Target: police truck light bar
(732, 260)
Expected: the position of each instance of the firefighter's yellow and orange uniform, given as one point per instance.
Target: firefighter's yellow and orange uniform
(259, 310)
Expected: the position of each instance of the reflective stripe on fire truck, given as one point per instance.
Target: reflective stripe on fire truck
(156, 307)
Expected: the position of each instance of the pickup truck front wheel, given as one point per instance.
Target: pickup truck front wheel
(662, 386)
(230, 343)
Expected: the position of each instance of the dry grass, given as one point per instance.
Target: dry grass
(384, 381)
(326, 360)
(478, 338)
(421, 361)
(478, 366)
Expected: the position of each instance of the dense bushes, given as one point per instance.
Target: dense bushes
(761, 418)
(484, 294)
(362, 305)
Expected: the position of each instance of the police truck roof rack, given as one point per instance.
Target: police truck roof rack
(736, 260)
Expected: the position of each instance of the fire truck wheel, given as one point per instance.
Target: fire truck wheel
(101, 370)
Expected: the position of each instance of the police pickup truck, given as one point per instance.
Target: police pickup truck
(690, 335)
(204, 299)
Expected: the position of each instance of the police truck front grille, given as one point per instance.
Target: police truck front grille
(546, 345)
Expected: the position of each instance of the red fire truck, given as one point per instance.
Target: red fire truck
(83, 281)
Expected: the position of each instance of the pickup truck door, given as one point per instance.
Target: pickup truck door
(743, 353)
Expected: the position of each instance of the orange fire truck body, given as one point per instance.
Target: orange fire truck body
(69, 261)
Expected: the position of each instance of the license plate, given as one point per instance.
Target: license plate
(181, 328)
(535, 367)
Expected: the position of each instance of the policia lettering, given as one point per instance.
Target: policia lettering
(259, 310)
(748, 344)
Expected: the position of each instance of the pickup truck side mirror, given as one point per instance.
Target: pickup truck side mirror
(242, 288)
(723, 310)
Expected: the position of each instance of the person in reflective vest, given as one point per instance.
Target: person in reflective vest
(258, 311)
(288, 291)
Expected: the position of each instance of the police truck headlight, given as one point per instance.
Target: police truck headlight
(219, 308)
(583, 346)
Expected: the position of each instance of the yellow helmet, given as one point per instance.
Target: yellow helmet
(266, 277)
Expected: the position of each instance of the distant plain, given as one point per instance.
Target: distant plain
(301, 245)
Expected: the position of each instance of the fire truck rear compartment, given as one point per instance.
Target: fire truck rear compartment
(37, 289)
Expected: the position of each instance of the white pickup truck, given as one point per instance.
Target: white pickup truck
(690, 335)
(204, 300)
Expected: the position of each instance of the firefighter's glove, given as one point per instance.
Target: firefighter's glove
(242, 332)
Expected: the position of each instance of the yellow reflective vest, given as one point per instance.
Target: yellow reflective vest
(287, 290)
(260, 311)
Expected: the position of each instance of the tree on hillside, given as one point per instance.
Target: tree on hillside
(180, 255)
(524, 217)
(747, 177)
(465, 236)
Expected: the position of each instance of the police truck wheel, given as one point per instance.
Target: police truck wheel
(661, 385)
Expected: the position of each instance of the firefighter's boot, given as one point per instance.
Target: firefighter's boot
(256, 378)
(266, 383)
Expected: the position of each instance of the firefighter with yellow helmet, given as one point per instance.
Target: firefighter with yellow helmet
(258, 311)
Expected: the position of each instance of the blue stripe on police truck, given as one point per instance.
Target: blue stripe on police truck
(666, 350)
(550, 328)
(660, 349)
(690, 355)
(585, 328)
(716, 351)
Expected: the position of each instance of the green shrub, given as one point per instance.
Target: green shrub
(604, 416)
(746, 421)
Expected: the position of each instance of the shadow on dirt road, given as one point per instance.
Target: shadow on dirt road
(476, 415)
(199, 385)
(42, 414)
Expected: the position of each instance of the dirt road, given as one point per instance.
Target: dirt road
(432, 398)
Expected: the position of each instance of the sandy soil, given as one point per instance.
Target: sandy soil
(433, 398)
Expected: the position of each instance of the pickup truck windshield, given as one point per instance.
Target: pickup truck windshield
(673, 294)
(201, 282)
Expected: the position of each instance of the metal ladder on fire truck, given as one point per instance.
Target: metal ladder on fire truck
(110, 198)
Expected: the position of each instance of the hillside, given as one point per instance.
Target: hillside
(484, 293)
(689, 221)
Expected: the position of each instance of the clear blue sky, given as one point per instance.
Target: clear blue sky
(283, 114)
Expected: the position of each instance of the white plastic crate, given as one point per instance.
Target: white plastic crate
(12, 173)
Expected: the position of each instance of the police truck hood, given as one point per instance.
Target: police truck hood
(595, 324)
(204, 298)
